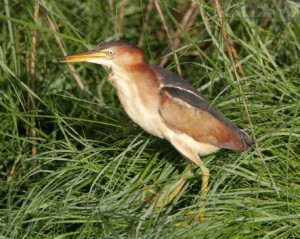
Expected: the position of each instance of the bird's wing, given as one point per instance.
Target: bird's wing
(186, 110)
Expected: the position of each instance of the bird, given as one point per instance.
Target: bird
(166, 106)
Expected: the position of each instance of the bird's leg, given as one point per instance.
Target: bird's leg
(187, 149)
(179, 185)
(198, 215)
(170, 196)
(203, 193)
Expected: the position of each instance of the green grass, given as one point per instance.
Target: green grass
(83, 180)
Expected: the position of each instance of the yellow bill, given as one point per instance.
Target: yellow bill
(88, 56)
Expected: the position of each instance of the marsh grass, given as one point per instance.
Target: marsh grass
(78, 175)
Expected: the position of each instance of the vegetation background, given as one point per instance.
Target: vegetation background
(74, 166)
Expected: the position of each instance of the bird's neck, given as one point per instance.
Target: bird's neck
(141, 75)
(130, 72)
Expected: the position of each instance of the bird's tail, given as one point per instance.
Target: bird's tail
(246, 141)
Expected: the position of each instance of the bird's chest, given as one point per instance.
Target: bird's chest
(140, 103)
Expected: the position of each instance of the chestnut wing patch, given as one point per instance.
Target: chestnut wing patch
(188, 112)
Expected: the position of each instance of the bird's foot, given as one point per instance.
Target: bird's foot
(191, 217)
(150, 190)
(165, 196)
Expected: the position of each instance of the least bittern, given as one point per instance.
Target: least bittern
(166, 106)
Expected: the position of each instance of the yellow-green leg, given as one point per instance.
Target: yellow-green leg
(203, 193)
(170, 197)
(197, 214)
(204, 190)
(179, 185)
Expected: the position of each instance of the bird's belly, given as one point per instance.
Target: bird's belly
(145, 115)
(187, 145)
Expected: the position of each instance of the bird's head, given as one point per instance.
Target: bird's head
(111, 54)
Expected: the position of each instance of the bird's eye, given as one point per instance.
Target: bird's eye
(110, 52)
